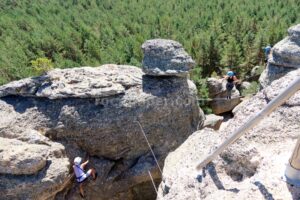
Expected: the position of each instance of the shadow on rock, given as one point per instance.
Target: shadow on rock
(163, 86)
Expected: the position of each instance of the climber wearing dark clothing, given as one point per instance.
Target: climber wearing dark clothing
(267, 51)
(231, 79)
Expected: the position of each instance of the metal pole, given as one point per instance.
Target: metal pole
(295, 159)
(292, 170)
(277, 101)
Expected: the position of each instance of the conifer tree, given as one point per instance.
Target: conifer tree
(231, 55)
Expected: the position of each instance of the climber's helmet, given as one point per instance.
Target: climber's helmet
(230, 73)
(77, 161)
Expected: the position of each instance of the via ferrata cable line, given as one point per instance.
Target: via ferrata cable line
(149, 146)
(220, 99)
(153, 154)
(153, 183)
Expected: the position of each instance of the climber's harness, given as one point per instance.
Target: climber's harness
(78, 178)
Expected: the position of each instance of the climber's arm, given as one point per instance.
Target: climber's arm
(225, 77)
(84, 164)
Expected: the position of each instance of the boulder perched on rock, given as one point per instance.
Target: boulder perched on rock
(166, 58)
(92, 112)
(217, 92)
(249, 169)
(284, 58)
(213, 121)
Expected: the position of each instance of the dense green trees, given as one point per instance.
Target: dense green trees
(73, 33)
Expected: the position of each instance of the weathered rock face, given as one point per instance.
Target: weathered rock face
(166, 58)
(213, 121)
(94, 112)
(21, 158)
(84, 82)
(245, 85)
(254, 74)
(217, 91)
(285, 57)
(252, 167)
(31, 165)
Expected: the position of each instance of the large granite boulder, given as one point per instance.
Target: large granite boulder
(91, 112)
(166, 58)
(217, 92)
(249, 169)
(284, 58)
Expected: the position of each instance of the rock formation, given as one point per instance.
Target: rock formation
(31, 166)
(165, 58)
(217, 91)
(84, 82)
(252, 167)
(213, 121)
(244, 86)
(285, 57)
(93, 112)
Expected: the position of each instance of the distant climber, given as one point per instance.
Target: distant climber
(80, 174)
(267, 51)
(231, 80)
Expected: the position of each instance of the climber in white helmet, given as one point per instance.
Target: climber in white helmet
(81, 175)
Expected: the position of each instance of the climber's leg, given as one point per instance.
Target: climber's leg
(81, 190)
(228, 93)
(229, 87)
(91, 172)
(94, 173)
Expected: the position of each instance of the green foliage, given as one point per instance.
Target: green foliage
(201, 85)
(231, 54)
(253, 89)
(75, 33)
(41, 65)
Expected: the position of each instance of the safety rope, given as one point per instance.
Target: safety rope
(224, 98)
(153, 183)
(149, 146)
(153, 154)
(220, 99)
